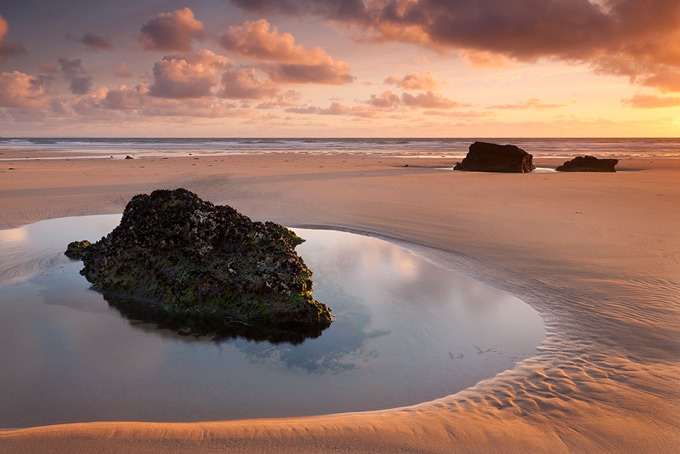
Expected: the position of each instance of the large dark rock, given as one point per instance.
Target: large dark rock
(491, 157)
(199, 267)
(588, 164)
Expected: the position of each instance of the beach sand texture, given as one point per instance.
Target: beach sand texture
(598, 255)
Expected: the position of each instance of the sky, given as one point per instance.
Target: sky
(331, 68)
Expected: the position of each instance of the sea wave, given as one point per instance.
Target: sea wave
(402, 147)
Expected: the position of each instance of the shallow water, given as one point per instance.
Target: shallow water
(405, 331)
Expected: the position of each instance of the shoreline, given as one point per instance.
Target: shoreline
(595, 254)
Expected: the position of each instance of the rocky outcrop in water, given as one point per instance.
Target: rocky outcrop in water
(491, 157)
(200, 267)
(588, 164)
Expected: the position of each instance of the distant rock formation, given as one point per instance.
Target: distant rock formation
(588, 164)
(203, 268)
(491, 157)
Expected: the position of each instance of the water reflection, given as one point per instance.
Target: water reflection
(405, 331)
(340, 348)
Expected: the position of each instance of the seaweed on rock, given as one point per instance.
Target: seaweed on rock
(204, 269)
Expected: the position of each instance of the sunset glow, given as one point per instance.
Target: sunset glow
(357, 68)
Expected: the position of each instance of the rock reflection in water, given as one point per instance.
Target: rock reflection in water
(405, 331)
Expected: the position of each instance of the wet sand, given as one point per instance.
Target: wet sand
(598, 255)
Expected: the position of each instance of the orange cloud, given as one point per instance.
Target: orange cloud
(416, 81)
(337, 108)
(171, 31)
(532, 103)
(643, 101)
(259, 40)
(484, 59)
(22, 90)
(293, 63)
(429, 100)
(638, 39)
(6, 48)
(186, 76)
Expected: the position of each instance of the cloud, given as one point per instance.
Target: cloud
(385, 100)
(337, 108)
(293, 63)
(74, 72)
(416, 81)
(637, 39)
(643, 101)
(382, 104)
(186, 76)
(331, 73)
(49, 68)
(132, 103)
(243, 83)
(484, 59)
(428, 100)
(21, 90)
(259, 40)
(171, 31)
(287, 99)
(7, 49)
(95, 42)
(196, 108)
(332, 9)
(532, 103)
(122, 70)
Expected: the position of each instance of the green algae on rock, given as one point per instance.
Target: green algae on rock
(76, 249)
(177, 258)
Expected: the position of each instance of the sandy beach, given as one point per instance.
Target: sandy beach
(597, 255)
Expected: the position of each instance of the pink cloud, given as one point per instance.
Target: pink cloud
(428, 100)
(416, 81)
(382, 104)
(638, 39)
(7, 49)
(261, 41)
(171, 31)
(21, 90)
(385, 100)
(293, 63)
(186, 76)
(243, 83)
(330, 73)
(287, 99)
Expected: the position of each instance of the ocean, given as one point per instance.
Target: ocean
(455, 148)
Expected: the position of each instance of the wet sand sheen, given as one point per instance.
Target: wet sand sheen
(596, 255)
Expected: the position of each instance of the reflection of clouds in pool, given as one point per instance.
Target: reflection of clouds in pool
(13, 236)
(400, 323)
(342, 347)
